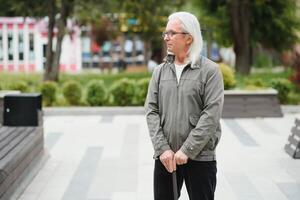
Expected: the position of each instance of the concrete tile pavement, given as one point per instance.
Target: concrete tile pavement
(109, 157)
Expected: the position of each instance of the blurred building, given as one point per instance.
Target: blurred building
(23, 44)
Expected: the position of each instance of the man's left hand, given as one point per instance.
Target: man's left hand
(180, 158)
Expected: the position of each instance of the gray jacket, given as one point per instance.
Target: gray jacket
(186, 116)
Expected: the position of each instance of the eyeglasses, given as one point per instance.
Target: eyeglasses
(172, 33)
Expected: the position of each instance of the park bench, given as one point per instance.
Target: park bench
(293, 146)
(260, 103)
(21, 145)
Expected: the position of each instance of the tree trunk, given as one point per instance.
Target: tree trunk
(49, 52)
(147, 52)
(56, 59)
(61, 25)
(240, 27)
(134, 61)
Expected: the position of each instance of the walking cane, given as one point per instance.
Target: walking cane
(174, 180)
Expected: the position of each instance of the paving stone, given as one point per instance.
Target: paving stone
(118, 154)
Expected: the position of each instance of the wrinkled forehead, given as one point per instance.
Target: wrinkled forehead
(174, 24)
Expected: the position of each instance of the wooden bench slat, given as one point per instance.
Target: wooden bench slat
(22, 133)
(5, 131)
(19, 149)
(293, 141)
(10, 181)
(295, 131)
(297, 122)
(9, 137)
(3, 175)
(22, 150)
(289, 150)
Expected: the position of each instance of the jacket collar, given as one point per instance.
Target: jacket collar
(197, 64)
(169, 59)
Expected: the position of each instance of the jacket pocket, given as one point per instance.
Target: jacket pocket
(194, 120)
(212, 143)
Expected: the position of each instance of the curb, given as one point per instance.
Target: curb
(61, 111)
(134, 110)
(290, 109)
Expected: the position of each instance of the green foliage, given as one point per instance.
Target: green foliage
(274, 24)
(8, 79)
(19, 85)
(96, 93)
(228, 76)
(123, 92)
(283, 86)
(258, 80)
(294, 97)
(255, 83)
(108, 79)
(141, 91)
(150, 15)
(72, 92)
(214, 20)
(23, 8)
(49, 90)
(262, 60)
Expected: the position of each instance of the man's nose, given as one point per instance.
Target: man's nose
(166, 38)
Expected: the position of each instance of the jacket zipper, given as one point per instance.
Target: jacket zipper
(177, 99)
(174, 126)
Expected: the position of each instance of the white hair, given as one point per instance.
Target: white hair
(190, 24)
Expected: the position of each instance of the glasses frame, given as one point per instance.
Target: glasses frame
(171, 34)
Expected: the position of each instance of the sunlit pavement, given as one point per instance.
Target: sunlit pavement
(109, 157)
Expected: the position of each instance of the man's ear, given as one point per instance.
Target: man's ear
(189, 39)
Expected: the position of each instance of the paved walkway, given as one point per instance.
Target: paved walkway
(109, 157)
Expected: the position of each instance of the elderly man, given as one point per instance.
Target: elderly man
(183, 110)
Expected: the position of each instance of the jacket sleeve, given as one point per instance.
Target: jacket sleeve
(206, 127)
(153, 118)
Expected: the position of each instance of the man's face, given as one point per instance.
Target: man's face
(176, 39)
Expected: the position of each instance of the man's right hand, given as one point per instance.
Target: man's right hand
(167, 159)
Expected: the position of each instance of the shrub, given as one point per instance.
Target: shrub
(262, 60)
(72, 92)
(19, 85)
(228, 76)
(255, 84)
(141, 91)
(96, 93)
(283, 87)
(48, 90)
(123, 92)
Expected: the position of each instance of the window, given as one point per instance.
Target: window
(10, 46)
(1, 47)
(31, 47)
(21, 46)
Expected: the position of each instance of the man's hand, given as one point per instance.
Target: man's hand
(167, 159)
(180, 158)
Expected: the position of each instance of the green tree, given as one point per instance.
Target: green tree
(39, 8)
(148, 18)
(57, 11)
(244, 23)
(63, 8)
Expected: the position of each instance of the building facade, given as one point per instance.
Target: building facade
(23, 44)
